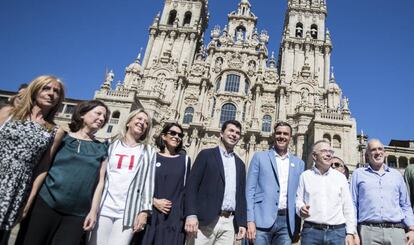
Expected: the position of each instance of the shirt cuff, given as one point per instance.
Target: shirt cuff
(191, 217)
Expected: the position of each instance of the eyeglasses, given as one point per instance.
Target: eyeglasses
(174, 133)
(337, 165)
(326, 151)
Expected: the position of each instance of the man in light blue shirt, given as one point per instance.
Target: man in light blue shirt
(381, 201)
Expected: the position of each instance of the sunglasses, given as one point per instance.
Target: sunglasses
(174, 133)
(337, 165)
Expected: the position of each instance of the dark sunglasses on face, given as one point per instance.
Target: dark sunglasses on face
(337, 165)
(174, 133)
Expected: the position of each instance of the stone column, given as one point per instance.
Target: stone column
(255, 121)
(150, 45)
(193, 145)
(163, 37)
(176, 99)
(201, 99)
(181, 97)
(180, 56)
(327, 58)
(192, 48)
(282, 105)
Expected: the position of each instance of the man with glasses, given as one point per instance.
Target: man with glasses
(215, 201)
(381, 201)
(324, 202)
(272, 182)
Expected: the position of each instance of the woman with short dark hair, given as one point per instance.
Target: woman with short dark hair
(62, 210)
(166, 226)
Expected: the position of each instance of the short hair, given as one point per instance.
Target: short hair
(373, 140)
(283, 124)
(160, 142)
(317, 143)
(29, 98)
(81, 109)
(124, 129)
(233, 122)
(22, 86)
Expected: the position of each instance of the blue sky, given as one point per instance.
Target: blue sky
(78, 40)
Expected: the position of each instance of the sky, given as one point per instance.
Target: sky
(79, 40)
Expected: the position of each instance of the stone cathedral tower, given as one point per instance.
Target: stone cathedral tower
(233, 76)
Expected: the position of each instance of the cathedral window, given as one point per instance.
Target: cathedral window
(188, 115)
(116, 114)
(218, 84)
(115, 117)
(246, 87)
(402, 162)
(392, 161)
(299, 30)
(336, 142)
(172, 17)
(228, 112)
(213, 107)
(327, 137)
(109, 129)
(267, 123)
(244, 111)
(412, 160)
(70, 109)
(314, 31)
(232, 83)
(187, 18)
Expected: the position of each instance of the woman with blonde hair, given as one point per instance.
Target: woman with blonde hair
(27, 132)
(129, 184)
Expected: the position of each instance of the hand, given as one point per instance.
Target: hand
(410, 237)
(304, 211)
(251, 231)
(349, 239)
(191, 226)
(26, 209)
(296, 237)
(90, 221)
(140, 222)
(356, 239)
(242, 233)
(163, 205)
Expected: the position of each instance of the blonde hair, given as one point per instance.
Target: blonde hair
(123, 132)
(28, 100)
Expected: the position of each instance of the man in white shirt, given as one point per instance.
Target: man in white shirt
(324, 201)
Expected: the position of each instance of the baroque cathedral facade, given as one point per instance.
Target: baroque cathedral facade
(183, 79)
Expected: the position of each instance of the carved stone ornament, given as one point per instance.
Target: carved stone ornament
(268, 108)
(191, 99)
(271, 77)
(197, 70)
(236, 62)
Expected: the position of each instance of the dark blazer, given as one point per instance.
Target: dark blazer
(205, 188)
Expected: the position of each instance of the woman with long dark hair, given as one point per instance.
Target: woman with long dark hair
(166, 226)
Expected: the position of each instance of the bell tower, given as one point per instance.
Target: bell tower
(306, 44)
(176, 35)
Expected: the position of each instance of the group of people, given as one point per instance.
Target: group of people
(59, 185)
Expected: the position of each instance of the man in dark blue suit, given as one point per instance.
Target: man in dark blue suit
(215, 201)
(272, 182)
